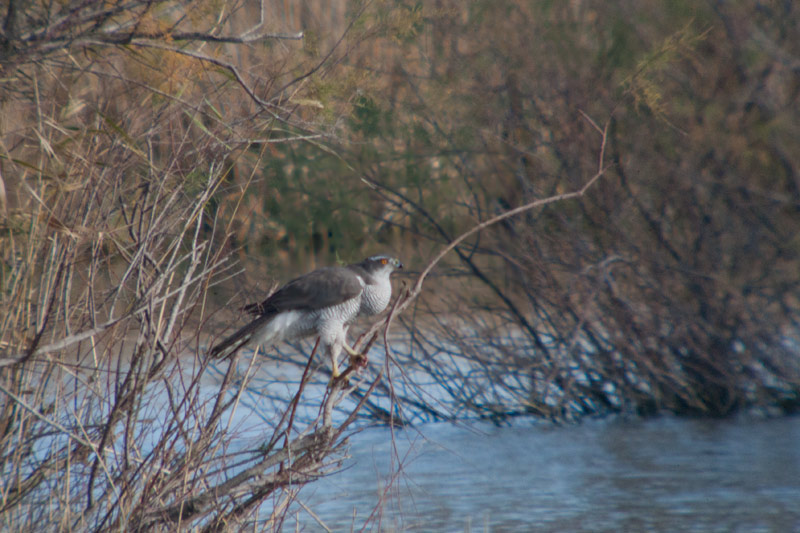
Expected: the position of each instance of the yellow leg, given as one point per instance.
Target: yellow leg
(353, 355)
(350, 351)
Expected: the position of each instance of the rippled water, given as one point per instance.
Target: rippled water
(656, 475)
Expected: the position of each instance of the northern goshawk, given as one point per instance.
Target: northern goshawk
(321, 303)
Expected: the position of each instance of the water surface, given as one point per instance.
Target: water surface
(656, 475)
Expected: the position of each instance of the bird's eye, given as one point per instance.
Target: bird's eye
(384, 261)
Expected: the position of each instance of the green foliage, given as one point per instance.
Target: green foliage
(645, 85)
(306, 206)
(619, 52)
(409, 23)
(368, 119)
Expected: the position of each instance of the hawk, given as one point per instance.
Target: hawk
(322, 303)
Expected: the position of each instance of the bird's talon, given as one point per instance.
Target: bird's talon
(358, 360)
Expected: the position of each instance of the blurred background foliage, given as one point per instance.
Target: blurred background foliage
(674, 284)
(396, 125)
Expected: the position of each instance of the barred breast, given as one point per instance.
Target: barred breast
(376, 297)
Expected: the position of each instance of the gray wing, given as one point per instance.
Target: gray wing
(321, 288)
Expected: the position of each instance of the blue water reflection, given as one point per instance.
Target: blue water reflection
(656, 475)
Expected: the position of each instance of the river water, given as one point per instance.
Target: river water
(653, 475)
(662, 474)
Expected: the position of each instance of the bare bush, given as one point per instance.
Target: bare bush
(123, 124)
(673, 286)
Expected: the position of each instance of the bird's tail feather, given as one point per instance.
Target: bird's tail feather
(239, 339)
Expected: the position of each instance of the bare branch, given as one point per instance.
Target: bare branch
(417, 288)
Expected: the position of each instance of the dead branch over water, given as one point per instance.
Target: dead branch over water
(673, 287)
(116, 145)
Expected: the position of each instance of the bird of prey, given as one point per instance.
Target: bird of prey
(321, 303)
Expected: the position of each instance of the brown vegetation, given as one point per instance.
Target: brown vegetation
(122, 124)
(672, 286)
(144, 147)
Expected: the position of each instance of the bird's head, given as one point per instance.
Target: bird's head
(378, 265)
